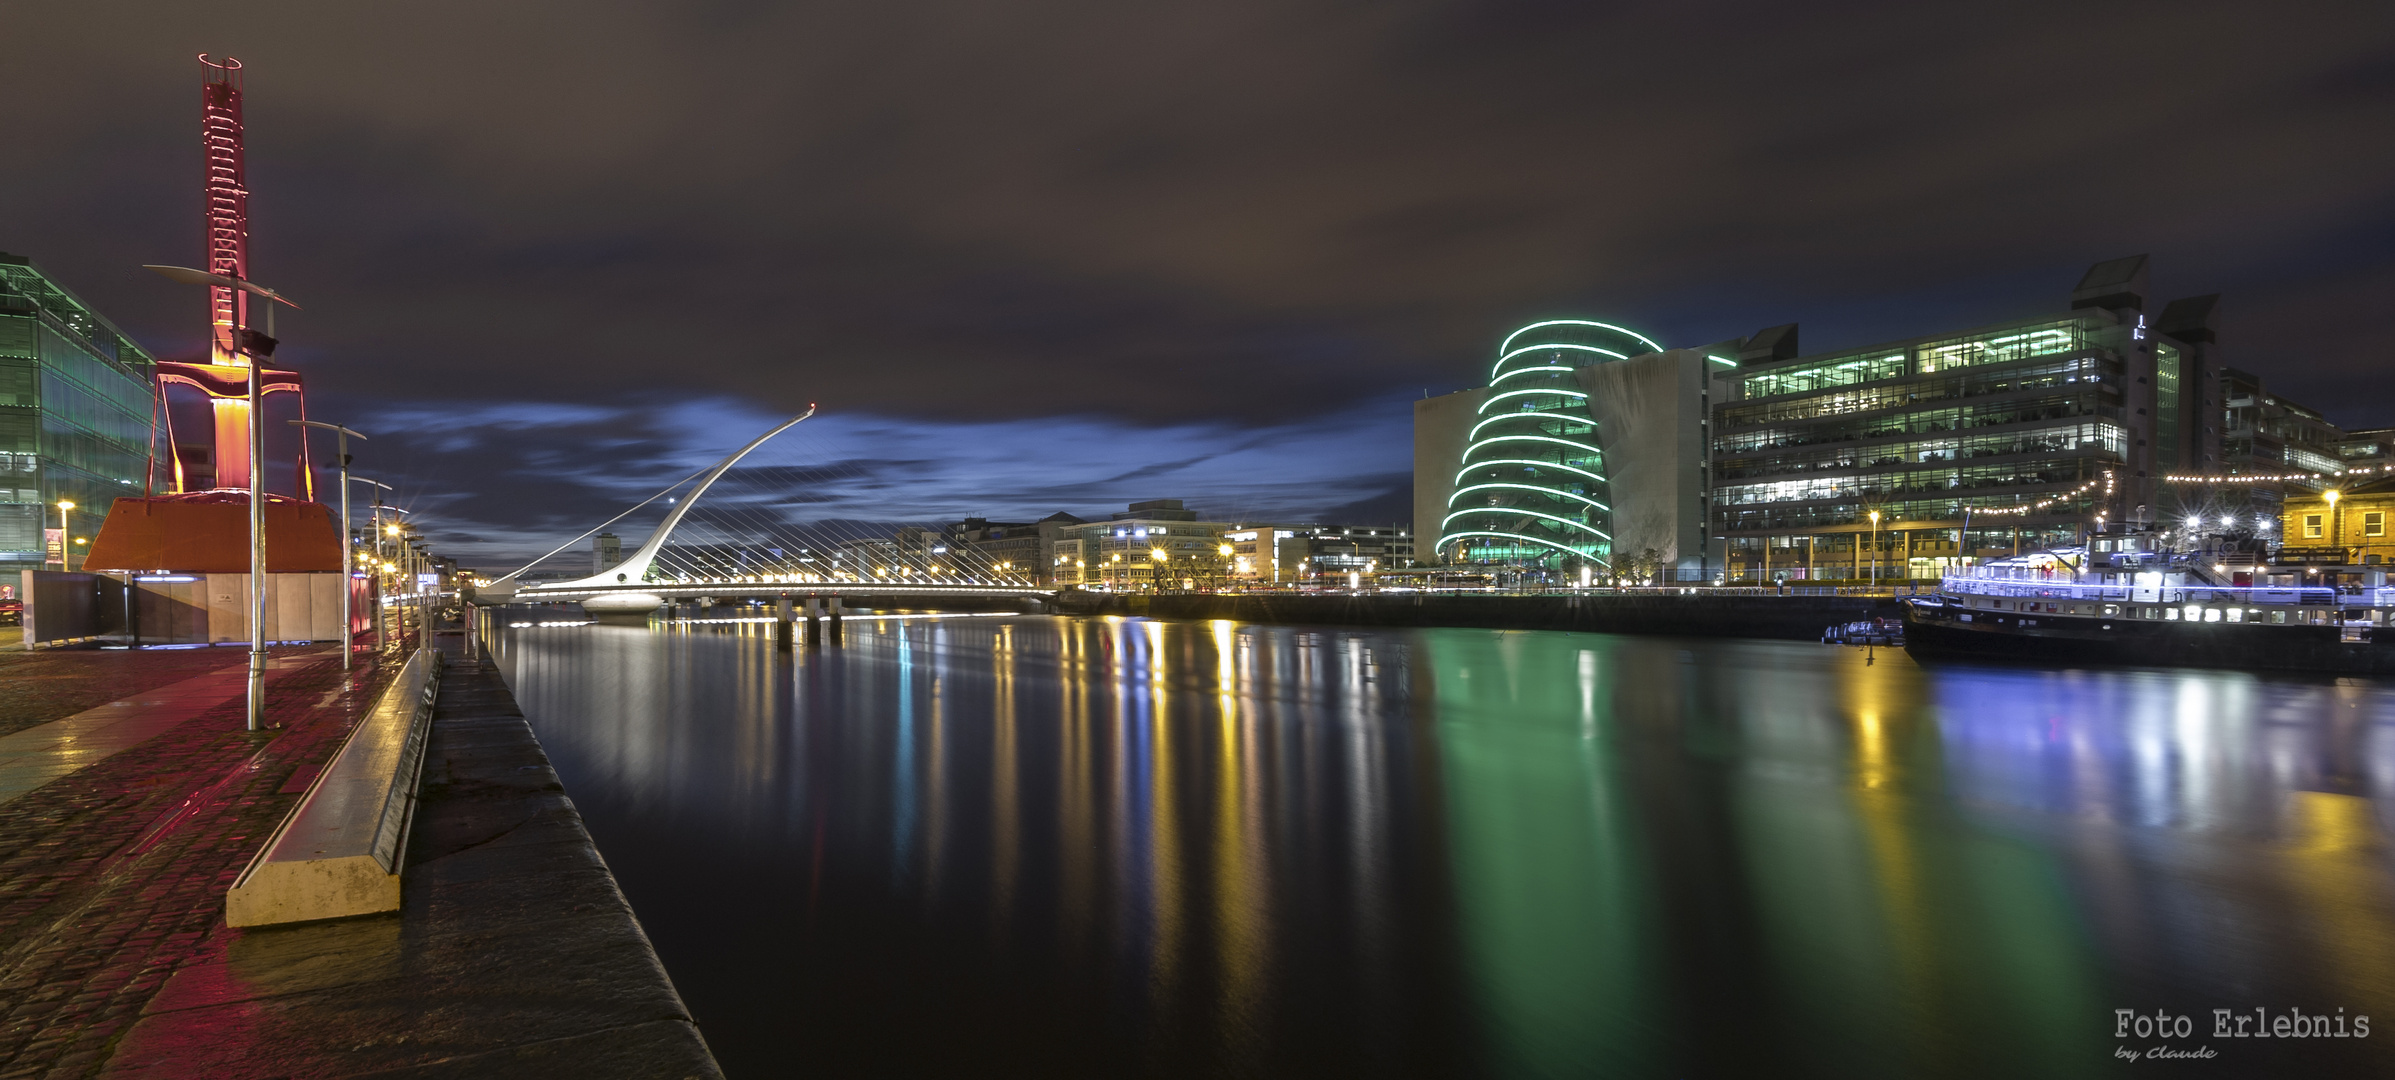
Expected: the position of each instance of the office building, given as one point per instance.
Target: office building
(75, 404)
(1365, 549)
(606, 550)
(1267, 554)
(1157, 543)
(1873, 461)
(2367, 451)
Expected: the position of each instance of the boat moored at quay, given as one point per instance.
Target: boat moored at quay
(2070, 606)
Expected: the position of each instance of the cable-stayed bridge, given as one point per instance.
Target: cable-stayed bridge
(743, 544)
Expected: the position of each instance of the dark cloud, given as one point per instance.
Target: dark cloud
(1243, 214)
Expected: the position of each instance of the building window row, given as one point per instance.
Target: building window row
(2029, 472)
(2093, 368)
(1918, 422)
(2094, 438)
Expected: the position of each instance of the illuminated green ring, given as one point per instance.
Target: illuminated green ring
(1546, 395)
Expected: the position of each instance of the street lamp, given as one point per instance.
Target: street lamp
(1875, 549)
(64, 505)
(382, 635)
(342, 435)
(255, 350)
(2336, 528)
(1156, 560)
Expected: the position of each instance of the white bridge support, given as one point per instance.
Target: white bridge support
(624, 588)
(635, 568)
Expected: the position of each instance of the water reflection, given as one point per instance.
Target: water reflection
(1098, 846)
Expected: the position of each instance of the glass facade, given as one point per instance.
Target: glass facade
(75, 405)
(1532, 489)
(1923, 433)
(2166, 407)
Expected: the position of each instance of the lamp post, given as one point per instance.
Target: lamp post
(1875, 549)
(2336, 528)
(1156, 561)
(349, 542)
(64, 505)
(343, 435)
(256, 350)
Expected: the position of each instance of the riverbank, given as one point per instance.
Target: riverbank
(1800, 618)
(513, 954)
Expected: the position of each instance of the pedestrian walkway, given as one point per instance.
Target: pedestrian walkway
(37, 755)
(114, 867)
(514, 953)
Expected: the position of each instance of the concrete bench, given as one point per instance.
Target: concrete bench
(338, 852)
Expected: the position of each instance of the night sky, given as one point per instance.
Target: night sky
(1036, 255)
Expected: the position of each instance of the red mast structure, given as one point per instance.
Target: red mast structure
(204, 527)
(226, 180)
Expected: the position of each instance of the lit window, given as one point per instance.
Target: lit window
(2374, 523)
(2311, 525)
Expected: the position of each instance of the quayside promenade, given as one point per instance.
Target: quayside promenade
(124, 821)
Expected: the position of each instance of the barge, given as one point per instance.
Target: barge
(2062, 607)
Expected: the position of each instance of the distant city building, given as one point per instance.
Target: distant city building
(1015, 548)
(1265, 554)
(606, 549)
(1365, 549)
(75, 404)
(1157, 541)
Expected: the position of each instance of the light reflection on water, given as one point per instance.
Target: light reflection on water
(1097, 846)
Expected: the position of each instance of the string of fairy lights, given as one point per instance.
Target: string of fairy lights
(2107, 482)
(2030, 508)
(2278, 478)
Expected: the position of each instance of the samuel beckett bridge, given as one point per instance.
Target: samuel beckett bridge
(741, 545)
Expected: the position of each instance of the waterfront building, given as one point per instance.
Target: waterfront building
(1159, 542)
(2271, 449)
(2351, 524)
(2268, 433)
(1585, 454)
(2368, 451)
(1360, 549)
(75, 407)
(1898, 459)
(606, 550)
(1265, 554)
(1268, 554)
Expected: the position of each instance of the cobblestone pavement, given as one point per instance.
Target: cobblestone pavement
(111, 876)
(53, 684)
(514, 954)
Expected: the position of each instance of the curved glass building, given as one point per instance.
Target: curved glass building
(1532, 488)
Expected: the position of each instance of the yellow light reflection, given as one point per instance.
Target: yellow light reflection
(1164, 838)
(2336, 863)
(1006, 834)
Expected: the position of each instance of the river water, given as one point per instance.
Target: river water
(1105, 847)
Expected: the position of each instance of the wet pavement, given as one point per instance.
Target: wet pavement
(514, 954)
